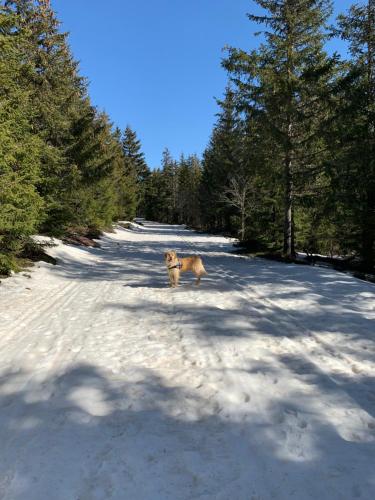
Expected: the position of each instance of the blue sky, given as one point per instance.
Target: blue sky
(155, 64)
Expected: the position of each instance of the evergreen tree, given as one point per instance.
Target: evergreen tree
(221, 160)
(20, 148)
(57, 152)
(156, 196)
(284, 80)
(125, 183)
(136, 164)
(353, 171)
(132, 150)
(93, 197)
(189, 178)
(58, 95)
(170, 170)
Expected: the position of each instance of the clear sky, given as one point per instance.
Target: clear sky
(155, 64)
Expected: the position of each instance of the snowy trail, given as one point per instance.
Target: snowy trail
(259, 384)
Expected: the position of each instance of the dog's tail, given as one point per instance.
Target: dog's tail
(203, 270)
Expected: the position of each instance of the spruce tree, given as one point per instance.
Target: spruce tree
(125, 182)
(354, 168)
(156, 197)
(58, 94)
(221, 160)
(136, 164)
(20, 148)
(283, 80)
(170, 171)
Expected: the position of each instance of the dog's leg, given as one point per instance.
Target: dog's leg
(176, 277)
(170, 276)
(198, 276)
(173, 278)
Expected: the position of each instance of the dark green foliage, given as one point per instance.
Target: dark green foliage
(290, 164)
(221, 160)
(291, 160)
(188, 187)
(172, 192)
(61, 163)
(132, 151)
(281, 86)
(20, 149)
(353, 167)
(156, 197)
(135, 166)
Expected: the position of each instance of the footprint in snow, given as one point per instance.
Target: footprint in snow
(279, 419)
(246, 397)
(216, 408)
(302, 424)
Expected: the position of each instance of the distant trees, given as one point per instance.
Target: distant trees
(240, 195)
(173, 191)
(135, 167)
(221, 159)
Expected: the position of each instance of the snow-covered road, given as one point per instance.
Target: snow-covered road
(258, 385)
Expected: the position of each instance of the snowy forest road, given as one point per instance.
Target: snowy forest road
(257, 385)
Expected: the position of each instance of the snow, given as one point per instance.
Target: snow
(257, 385)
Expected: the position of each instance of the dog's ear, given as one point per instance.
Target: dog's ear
(165, 255)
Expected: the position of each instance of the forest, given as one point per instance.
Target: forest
(290, 164)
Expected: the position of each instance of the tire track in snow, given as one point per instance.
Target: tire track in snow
(209, 359)
(35, 315)
(297, 326)
(300, 342)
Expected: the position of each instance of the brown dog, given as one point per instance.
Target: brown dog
(176, 266)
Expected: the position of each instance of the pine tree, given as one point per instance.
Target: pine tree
(59, 96)
(354, 169)
(125, 182)
(132, 151)
(189, 178)
(93, 197)
(170, 171)
(221, 160)
(80, 169)
(156, 196)
(136, 163)
(283, 81)
(20, 148)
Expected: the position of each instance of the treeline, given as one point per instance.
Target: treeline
(290, 164)
(172, 192)
(63, 167)
(291, 161)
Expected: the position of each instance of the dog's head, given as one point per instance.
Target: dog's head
(170, 256)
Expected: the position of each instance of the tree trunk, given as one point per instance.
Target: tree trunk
(288, 249)
(243, 225)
